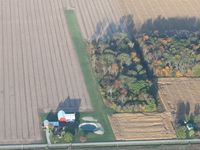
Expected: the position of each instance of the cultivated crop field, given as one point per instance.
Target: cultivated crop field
(102, 17)
(39, 68)
(172, 92)
(142, 126)
(98, 16)
(176, 90)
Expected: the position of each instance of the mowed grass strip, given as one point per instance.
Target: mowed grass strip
(99, 108)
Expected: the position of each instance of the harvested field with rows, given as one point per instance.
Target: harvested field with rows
(172, 91)
(100, 16)
(39, 68)
(142, 126)
(176, 90)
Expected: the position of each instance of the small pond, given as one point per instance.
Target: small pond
(88, 127)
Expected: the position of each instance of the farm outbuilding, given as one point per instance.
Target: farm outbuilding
(63, 117)
(46, 124)
(39, 67)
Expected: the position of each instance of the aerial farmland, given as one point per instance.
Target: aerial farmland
(41, 71)
(39, 67)
(99, 14)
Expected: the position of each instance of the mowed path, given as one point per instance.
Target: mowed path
(38, 67)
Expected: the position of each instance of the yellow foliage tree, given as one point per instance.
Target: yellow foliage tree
(145, 37)
(115, 68)
(163, 72)
(178, 74)
(189, 72)
(168, 71)
(133, 56)
(157, 62)
(158, 71)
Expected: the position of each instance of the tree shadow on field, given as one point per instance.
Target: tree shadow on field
(183, 110)
(105, 30)
(126, 24)
(162, 24)
(52, 116)
(69, 105)
(167, 26)
(197, 109)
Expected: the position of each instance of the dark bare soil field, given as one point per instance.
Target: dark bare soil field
(139, 126)
(103, 15)
(39, 68)
(173, 91)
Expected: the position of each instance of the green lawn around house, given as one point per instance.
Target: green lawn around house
(100, 111)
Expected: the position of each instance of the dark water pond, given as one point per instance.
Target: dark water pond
(88, 127)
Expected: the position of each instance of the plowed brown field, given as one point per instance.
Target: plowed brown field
(38, 69)
(39, 66)
(173, 91)
(142, 126)
(92, 12)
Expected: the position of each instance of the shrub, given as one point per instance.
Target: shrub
(122, 75)
(181, 132)
(67, 137)
(196, 119)
(196, 70)
(190, 133)
(55, 139)
(150, 106)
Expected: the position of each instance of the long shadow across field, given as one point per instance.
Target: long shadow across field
(163, 25)
(126, 25)
(104, 30)
(69, 105)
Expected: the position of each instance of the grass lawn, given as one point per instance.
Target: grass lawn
(100, 111)
(43, 117)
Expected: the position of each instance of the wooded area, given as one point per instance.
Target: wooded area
(123, 79)
(173, 53)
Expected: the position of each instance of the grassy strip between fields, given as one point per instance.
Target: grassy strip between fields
(99, 108)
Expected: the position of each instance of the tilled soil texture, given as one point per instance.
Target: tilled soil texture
(99, 17)
(142, 126)
(174, 91)
(39, 68)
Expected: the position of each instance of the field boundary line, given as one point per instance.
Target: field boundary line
(102, 144)
(80, 47)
